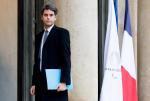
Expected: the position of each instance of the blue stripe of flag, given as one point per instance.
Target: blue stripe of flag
(127, 24)
(116, 11)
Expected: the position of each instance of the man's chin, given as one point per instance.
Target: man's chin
(48, 25)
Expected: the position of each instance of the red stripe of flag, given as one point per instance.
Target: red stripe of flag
(129, 86)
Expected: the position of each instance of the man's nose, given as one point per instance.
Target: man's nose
(48, 17)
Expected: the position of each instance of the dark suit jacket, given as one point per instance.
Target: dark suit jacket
(56, 55)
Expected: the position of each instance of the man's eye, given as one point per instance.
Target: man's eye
(51, 14)
(45, 14)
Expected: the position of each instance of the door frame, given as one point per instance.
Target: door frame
(102, 24)
(28, 11)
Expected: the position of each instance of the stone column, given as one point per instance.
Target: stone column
(8, 50)
(144, 49)
(81, 19)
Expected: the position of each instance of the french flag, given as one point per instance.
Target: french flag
(128, 68)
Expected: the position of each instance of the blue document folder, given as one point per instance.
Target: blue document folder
(53, 79)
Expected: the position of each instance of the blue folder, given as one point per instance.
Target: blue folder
(53, 79)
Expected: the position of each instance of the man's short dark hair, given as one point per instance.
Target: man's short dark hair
(51, 7)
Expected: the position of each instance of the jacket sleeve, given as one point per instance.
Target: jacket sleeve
(34, 75)
(35, 71)
(66, 53)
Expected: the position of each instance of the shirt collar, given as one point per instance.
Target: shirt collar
(49, 28)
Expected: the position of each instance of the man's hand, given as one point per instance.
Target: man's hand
(61, 87)
(32, 90)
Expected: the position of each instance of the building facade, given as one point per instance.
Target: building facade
(86, 21)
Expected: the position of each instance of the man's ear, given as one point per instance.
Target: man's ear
(55, 17)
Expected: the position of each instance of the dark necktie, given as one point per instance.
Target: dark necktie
(45, 35)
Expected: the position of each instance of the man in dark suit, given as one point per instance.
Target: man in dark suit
(52, 51)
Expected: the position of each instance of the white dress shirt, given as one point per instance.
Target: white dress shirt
(41, 48)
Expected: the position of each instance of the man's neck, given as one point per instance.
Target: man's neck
(48, 28)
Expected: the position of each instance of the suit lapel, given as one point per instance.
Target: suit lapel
(41, 35)
(51, 33)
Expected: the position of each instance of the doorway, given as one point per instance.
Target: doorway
(28, 16)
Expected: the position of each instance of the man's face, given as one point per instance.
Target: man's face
(48, 18)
